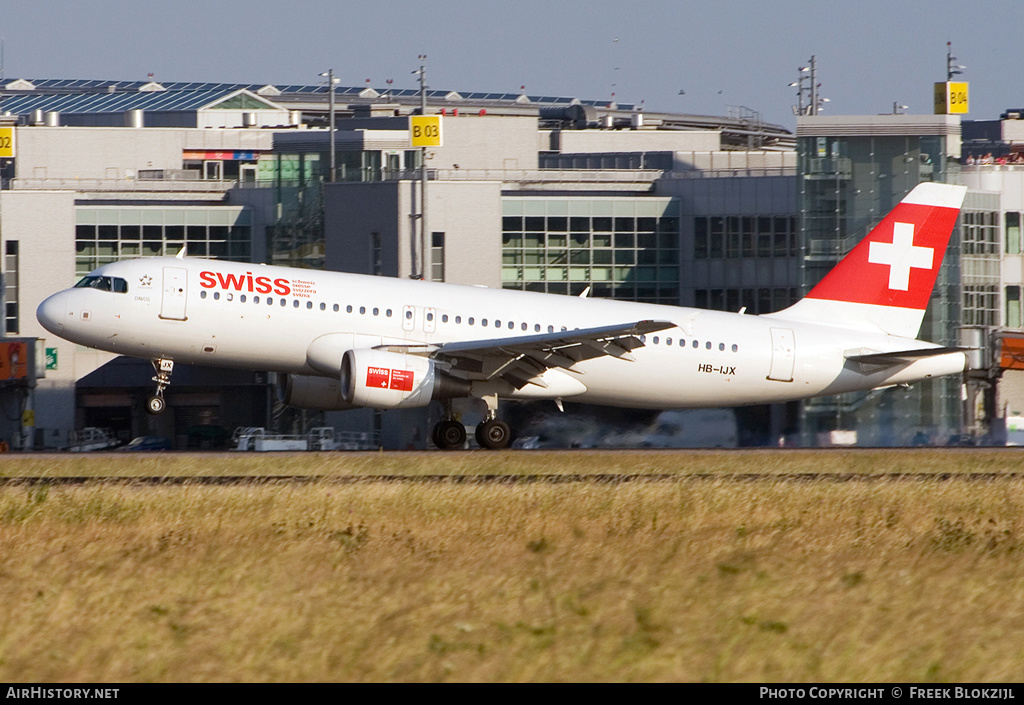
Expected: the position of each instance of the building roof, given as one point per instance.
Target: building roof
(190, 99)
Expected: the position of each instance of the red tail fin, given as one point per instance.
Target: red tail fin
(887, 279)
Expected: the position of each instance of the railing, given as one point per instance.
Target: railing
(646, 176)
(985, 168)
(104, 185)
(522, 176)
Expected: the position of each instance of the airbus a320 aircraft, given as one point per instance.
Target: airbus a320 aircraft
(346, 340)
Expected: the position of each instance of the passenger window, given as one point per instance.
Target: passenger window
(721, 346)
(497, 323)
(668, 341)
(536, 327)
(551, 329)
(458, 319)
(242, 298)
(708, 345)
(295, 303)
(735, 348)
(362, 310)
(323, 306)
(695, 344)
(470, 320)
(202, 294)
(511, 325)
(524, 326)
(348, 309)
(655, 340)
(255, 299)
(388, 313)
(216, 296)
(483, 321)
(284, 302)
(229, 296)
(336, 308)
(430, 316)
(270, 301)
(444, 318)
(376, 311)
(309, 304)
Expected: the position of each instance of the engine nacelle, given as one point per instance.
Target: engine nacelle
(390, 380)
(307, 392)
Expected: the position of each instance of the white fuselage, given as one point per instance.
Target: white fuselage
(221, 314)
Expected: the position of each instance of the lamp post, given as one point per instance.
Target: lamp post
(808, 74)
(425, 263)
(332, 159)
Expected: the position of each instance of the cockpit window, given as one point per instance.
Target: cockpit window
(115, 284)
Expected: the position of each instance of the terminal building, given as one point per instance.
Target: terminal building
(525, 192)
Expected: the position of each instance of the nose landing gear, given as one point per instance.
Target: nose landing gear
(156, 404)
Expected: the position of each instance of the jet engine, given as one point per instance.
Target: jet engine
(390, 380)
(308, 392)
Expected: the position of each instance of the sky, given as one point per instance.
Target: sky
(676, 56)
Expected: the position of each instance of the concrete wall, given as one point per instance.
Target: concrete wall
(468, 213)
(43, 223)
(118, 152)
(486, 142)
(352, 212)
(577, 141)
(94, 152)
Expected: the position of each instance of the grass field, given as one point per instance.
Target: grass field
(715, 580)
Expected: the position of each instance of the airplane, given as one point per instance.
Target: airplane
(344, 341)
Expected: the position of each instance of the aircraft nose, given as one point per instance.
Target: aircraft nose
(52, 313)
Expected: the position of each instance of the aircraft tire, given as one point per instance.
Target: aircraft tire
(493, 434)
(449, 435)
(155, 405)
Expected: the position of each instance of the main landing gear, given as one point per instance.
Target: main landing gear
(450, 434)
(156, 403)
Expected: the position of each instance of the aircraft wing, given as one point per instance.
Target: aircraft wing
(522, 360)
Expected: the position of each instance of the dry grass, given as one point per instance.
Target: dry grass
(708, 580)
(770, 461)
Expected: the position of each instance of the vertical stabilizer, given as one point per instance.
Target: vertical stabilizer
(886, 281)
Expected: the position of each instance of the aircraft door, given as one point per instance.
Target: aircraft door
(175, 292)
(783, 355)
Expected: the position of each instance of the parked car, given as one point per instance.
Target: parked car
(147, 443)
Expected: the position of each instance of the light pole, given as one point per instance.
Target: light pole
(330, 102)
(808, 74)
(425, 258)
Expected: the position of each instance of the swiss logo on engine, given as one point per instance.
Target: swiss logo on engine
(384, 378)
(378, 377)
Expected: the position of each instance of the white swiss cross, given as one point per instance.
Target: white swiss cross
(901, 255)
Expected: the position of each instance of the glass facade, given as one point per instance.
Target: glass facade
(296, 239)
(846, 185)
(622, 248)
(106, 234)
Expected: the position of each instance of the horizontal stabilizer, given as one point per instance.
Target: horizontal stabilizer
(901, 357)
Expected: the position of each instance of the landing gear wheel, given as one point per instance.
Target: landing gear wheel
(155, 405)
(449, 435)
(493, 434)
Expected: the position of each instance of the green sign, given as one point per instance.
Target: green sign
(51, 358)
